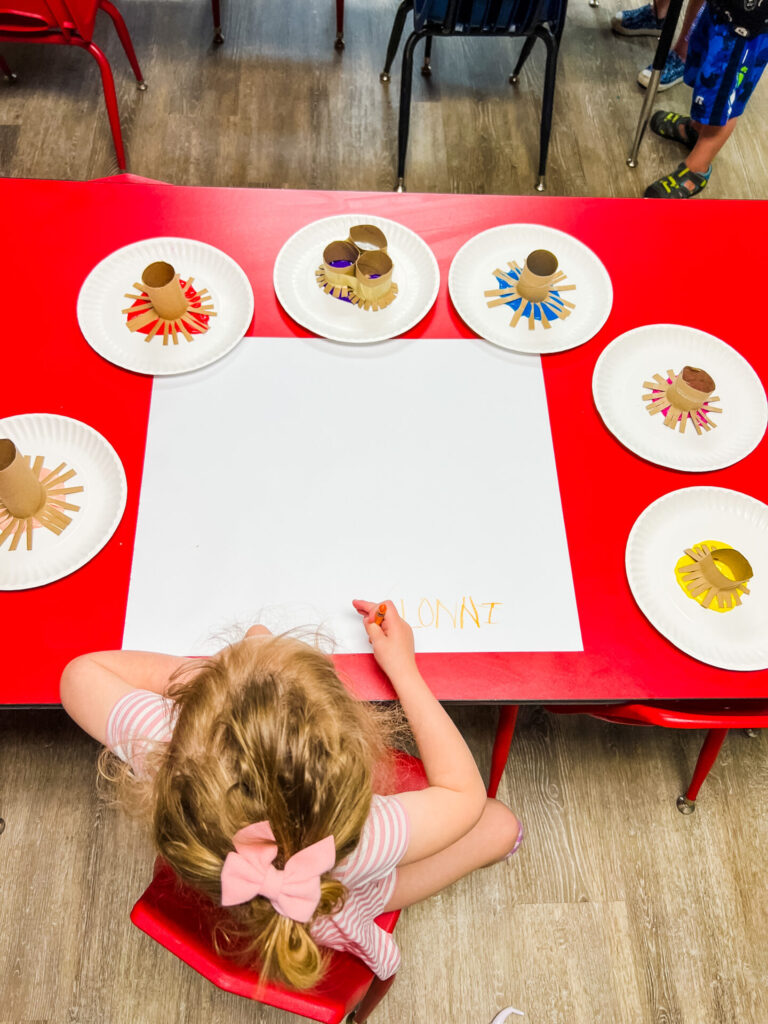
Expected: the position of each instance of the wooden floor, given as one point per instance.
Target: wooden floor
(616, 909)
(277, 106)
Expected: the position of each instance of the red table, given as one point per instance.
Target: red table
(664, 260)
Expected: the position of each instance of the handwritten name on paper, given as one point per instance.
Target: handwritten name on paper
(461, 613)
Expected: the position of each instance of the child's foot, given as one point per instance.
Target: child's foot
(671, 73)
(683, 183)
(674, 127)
(640, 21)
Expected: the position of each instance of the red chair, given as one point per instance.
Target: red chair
(182, 920)
(218, 38)
(70, 23)
(717, 718)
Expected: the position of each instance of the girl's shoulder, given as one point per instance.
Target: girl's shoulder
(382, 845)
(138, 721)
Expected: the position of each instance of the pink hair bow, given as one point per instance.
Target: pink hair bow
(294, 892)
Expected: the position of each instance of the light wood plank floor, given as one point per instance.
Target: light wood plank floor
(277, 106)
(616, 910)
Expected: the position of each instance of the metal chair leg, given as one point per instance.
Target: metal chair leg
(394, 38)
(110, 97)
(339, 44)
(514, 78)
(218, 38)
(547, 102)
(426, 67)
(707, 756)
(125, 39)
(371, 999)
(406, 78)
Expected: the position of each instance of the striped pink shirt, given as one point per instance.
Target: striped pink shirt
(142, 719)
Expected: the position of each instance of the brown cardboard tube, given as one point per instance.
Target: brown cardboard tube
(705, 572)
(367, 237)
(340, 252)
(374, 274)
(698, 379)
(736, 562)
(536, 277)
(686, 396)
(161, 283)
(20, 490)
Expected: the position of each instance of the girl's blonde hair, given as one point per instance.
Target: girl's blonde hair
(266, 731)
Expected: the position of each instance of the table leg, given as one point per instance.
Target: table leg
(505, 730)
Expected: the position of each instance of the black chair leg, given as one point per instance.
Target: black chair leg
(218, 38)
(405, 106)
(524, 55)
(426, 67)
(394, 38)
(547, 100)
(339, 43)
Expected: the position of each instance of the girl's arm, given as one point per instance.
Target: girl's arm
(455, 798)
(92, 684)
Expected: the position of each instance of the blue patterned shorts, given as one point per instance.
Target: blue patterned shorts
(722, 68)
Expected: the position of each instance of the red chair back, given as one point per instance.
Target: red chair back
(183, 920)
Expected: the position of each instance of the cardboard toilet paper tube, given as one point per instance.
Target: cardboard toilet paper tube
(368, 237)
(684, 395)
(705, 577)
(20, 490)
(733, 560)
(374, 275)
(344, 253)
(161, 283)
(536, 277)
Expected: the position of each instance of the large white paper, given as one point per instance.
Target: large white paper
(296, 474)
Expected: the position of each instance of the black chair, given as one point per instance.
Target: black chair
(532, 19)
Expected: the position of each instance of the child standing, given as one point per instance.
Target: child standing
(261, 775)
(727, 52)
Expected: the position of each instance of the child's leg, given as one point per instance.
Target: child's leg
(492, 839)
(712, 138)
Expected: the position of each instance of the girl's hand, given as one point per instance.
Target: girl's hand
(392, 641)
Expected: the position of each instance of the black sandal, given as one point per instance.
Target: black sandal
(672, 186)
(674, 127)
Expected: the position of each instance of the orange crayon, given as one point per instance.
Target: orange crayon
(381, 611)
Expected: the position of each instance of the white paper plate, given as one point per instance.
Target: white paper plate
(98, 470)
(737, 639)
(416, 275)
(634, 357)
(471, 275)
(102, 297)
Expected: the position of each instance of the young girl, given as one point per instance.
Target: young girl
(261, 773)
